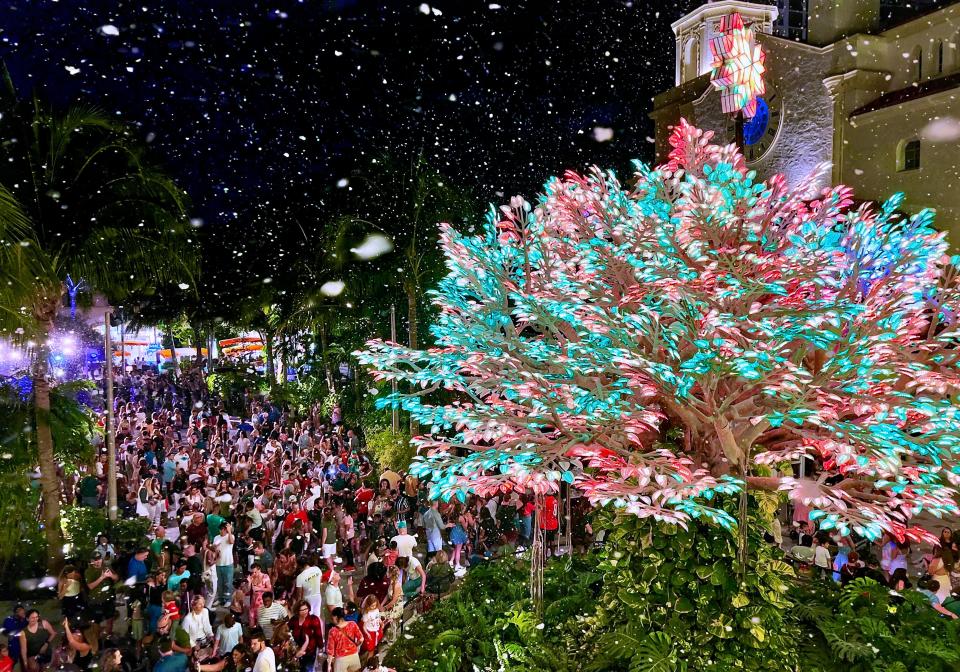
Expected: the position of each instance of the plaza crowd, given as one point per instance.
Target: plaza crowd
(274, 543)
(891, 562)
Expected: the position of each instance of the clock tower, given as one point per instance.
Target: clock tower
(792, 131)
(871, 87)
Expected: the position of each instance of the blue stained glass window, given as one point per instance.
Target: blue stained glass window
(753, 129)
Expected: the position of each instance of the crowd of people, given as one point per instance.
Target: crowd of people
(274, 543)
(889, 561)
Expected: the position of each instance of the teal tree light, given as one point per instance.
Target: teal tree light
(760, 323)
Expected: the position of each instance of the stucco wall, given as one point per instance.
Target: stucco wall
(806, 134)
(870, 164)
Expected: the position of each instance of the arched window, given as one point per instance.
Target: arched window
(918, 63)
(691, 59)
(908, 155)
(940, 58)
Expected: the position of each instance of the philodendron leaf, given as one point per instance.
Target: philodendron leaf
(721, 627)
(655, 654)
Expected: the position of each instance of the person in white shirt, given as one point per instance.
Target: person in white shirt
(197, 622)
(821, 557)
(309, 586)
(433, 524)
(406, 542)
(332, 595)
(182, 460)
(413, 576)
(492, 505)
(228, 636)
(224, 545)
(315, 494)
(266, 660)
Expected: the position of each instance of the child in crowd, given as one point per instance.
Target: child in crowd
(372, 622)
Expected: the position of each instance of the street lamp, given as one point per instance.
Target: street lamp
(100, 311)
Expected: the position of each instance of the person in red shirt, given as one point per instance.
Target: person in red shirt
(296, 513)
(363, 498)
(307, 631)
(197, 530)
(6, 662)
(549, 522)
(343, 643)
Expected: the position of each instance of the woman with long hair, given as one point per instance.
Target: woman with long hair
(83, 642)
(70, 591)
(372, 620)
(36, 643)
(285, 566)
(458, 535)
(392, 608)
(111, 660)
(939, 572)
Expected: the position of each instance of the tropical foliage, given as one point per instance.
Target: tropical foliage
(675, 599)
(488, 623)
(78, 201)
(82, 525)
(23, 547)
(866, 626)
(391, 450)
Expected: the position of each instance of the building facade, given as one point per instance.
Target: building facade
(872, 91)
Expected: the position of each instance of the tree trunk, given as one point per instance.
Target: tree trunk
(44, 311)
(284, 360)
(323, 356)
(271, 369)
(411, 290)
(173, 352)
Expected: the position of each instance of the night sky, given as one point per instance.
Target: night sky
(245, 102)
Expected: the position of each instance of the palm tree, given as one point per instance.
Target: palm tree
(78, 199)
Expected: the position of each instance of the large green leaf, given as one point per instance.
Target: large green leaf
(722, 627)
(655, 654)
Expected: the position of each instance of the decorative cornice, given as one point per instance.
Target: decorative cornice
(714, 10)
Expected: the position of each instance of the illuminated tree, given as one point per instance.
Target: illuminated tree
(761, 323)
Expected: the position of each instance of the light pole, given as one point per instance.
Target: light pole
(109, 434)
(101, 305)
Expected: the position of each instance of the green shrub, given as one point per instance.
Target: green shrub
(488, 622)
(390, 450)
(82, 525)
(230, 383)
(23, 546)
(672, 597)
(864, 627)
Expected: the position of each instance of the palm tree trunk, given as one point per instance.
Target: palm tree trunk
(268, 345)
(46, 309)
(173, 352)
(323, 355)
